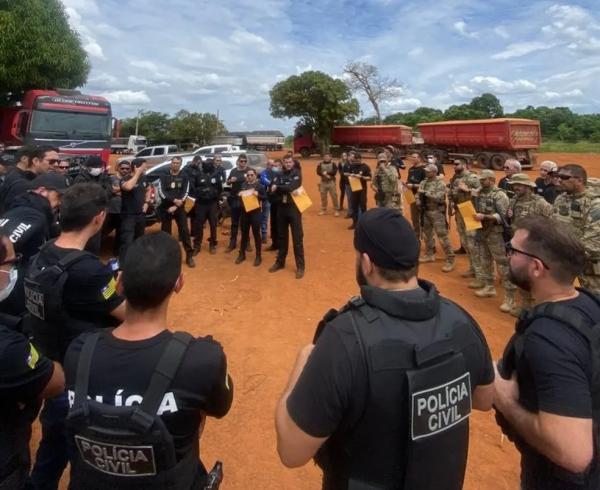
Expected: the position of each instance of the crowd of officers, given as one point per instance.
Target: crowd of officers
(381, 397)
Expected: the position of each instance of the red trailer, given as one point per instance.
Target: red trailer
(368, 138)
(487, 141)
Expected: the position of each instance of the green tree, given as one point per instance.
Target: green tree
(317, 99)
(155, 126)
(462, 112)
(38, 48)
(194, 127)
(487, 104)
(420, 115)
(567, 133)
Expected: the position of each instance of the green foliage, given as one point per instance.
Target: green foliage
(487, 104)
(38, 48)
(319, 100)
(567, 133)
(155, 126)
(422, 114)
(564, 147)
(194, 127)
(289, 141)
(595, 137)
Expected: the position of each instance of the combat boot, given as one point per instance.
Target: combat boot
(476, 284)
(468, 274)
(486, 292)
(321, 213)
(427, 258)
(509, 303)
(449, 267)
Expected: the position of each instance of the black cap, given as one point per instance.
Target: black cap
(51, 181)
(94, 161)
(387, 238)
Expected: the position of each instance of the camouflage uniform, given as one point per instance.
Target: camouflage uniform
(582, 212)
(386, 184)
(431, 200)
(327, 171)
(457, 196)
(490, 241)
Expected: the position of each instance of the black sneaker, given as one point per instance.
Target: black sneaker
(196, 251)
(189, 260)
(240, 259)
(299, 273)
(212, 249)
(276, 267)
(257, 261)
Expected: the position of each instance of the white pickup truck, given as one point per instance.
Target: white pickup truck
(155, 154)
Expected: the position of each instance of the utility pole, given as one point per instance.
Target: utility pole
(137, 122)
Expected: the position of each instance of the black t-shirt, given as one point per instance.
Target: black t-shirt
(121, 370)
(416, 174)
(132, 202)
(329, 397)
(24, 373)
(15, 183)
(90, 290)
(555, 375)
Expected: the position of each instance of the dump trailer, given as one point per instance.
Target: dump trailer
(364, 138)
(265, 140)
(487, 142)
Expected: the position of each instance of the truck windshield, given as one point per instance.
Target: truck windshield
(79, 125)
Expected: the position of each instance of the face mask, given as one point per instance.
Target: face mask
(94, 172)
(277, 170)
(430, 160)
(12, 280)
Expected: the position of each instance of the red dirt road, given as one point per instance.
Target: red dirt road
(263, 319)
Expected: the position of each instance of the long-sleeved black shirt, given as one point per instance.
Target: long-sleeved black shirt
(286, 182)
(171, 187)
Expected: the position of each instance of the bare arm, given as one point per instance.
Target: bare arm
(56, 384)
(483, 397)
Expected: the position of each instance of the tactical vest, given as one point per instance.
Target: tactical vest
(46, 319)
(326, 168)
(424, 381)
(513, 354)
(207, 186)
(128, 447)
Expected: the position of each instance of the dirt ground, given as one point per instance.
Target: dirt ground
(263, 319)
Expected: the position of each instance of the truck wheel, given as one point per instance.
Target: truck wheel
(483, 160)
(497, 161)
(305, 152)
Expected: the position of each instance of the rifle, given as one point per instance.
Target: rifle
(422, 207)
(506, 229)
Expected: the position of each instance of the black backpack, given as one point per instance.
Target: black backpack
(128, 447)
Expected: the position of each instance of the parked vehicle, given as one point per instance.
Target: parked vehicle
(489, 142)
(78, 125)
(131, 144)
(155, 154)
(343, 138)
(234, 139)
(206, 151)
(253, 140)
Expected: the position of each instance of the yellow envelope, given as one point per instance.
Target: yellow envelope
(467, 211)
(355, 184)
(409, 196)
(189, 204)
(301, 199)
(249, 200)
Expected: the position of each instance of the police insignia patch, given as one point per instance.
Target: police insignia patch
(109, 289)
(33, 357)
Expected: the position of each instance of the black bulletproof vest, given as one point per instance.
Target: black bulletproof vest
(128, 447)
(46, 319)
(513, 353)
(424, 382)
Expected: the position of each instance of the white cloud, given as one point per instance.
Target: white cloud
(146, 83)
(521, 49)
(463, 91)
(502, 32)
(418, 51)
(89, 42)
(564, 95)
(127, 97)
(402, 103)
(461, 27)
(501, 86)
(253, 40)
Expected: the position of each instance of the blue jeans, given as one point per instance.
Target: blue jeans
(52, 454)
(264, 218)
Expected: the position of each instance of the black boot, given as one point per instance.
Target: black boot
(240, 258)
(257, 261)
(189, 260)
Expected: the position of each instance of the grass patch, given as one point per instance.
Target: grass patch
(564, 147)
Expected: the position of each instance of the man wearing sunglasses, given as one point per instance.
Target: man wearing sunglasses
(31, 162)
(547, 381)
(579, 206)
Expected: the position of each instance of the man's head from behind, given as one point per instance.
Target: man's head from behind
(151, 271)
(83, 206)
(387, 249)
(544, 251)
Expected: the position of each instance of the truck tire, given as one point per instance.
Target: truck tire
(497, 161)
(305, 152)
(483, 159)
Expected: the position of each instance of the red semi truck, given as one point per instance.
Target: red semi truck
(78, 125)
(355, 137)
(488, 142)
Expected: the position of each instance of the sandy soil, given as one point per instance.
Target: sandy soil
(263, 319)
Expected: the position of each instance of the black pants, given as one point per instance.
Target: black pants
(203, 212)
(343, 183)
(132, 227)
(359, 204)
(274, 233)
(235, 206)
(182, 226)
(290, 217)
(247, 221)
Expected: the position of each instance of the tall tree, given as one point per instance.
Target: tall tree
(155, 126)
(38, 48)
(317, 99)
(194, 127)
(487, 104)
(363, 77)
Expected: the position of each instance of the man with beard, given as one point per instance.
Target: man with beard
(357, 398)
(546, 390)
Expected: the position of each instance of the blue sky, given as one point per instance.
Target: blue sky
(224, 56)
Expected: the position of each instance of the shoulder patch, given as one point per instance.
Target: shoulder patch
(110, 289)
(33, 357)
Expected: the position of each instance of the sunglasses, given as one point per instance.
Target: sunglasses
(510, 251)
(63, 167)
(243, 161)
(54, 161)
(564, 176)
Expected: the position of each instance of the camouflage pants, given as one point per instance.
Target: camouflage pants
(328, 187)
(415, 217)
(391, 201)
(435, 221)
(491, 249)
(467, 240)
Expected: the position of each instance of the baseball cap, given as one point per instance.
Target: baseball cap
(431, 167)
(522, 179)
(487, 174)
(387, 238)
(51, 181)
(94, 161)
